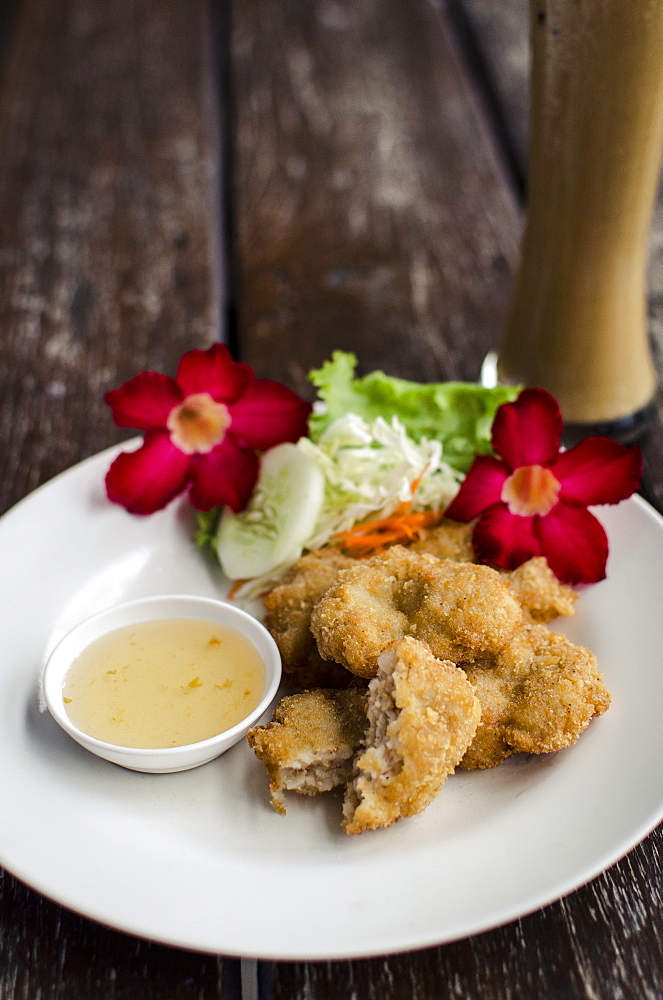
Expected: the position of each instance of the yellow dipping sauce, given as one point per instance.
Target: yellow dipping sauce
(164, 683)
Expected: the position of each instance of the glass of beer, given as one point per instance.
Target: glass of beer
(578, 320)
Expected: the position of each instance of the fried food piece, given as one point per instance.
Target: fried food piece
(462, 610)
(448, 540)
(535, 585)
(536, 696)
(288, 618)
(310, 744)
(539, 591)
(422, 716)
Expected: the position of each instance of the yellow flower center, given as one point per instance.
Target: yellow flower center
(530, 490)
(198, 424)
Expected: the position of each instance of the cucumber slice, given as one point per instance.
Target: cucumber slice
(278, 519)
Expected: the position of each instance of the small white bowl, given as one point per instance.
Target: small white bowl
(167, 759)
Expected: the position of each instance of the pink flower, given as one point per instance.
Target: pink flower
(532, 499)
(203, 428)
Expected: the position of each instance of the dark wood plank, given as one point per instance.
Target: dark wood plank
(603, 941)
(108, 265)
(369, 211)
(48, 952)
(501, 43)
(108, 186)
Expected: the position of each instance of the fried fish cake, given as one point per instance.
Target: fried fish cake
(462, 610)
(422, 716)
(536, 696)
(535, 585)
(310, 744)
(448, 540)
(288, 618)
(539, 591)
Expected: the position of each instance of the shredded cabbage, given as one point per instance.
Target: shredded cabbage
(369, 469)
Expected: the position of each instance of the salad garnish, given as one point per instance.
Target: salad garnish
(367, 471)
(378, 460)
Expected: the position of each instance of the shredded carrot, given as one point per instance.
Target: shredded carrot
(402, 527)
(234, 588)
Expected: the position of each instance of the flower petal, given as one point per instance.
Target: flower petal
(215, 372)
(574, 543)
(527, 431)
(144, 401)
(481, 488)
(226, 475)
(598, 470)
(147, 479)
(505, 539)
(268, 414)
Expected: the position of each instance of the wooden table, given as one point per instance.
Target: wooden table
(292, 175)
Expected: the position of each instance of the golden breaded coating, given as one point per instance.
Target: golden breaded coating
(535, 585)
(462, 610)
(422, 715)
(536, 696)
(448, 540)
(310, 744)
(539, 591)
(288, 618)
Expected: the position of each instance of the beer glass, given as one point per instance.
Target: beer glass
(578, 319)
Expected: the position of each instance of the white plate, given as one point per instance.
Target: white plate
(199, 859)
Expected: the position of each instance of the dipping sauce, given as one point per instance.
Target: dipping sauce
(164, 683)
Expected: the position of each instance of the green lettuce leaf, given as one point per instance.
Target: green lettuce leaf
(459, 414)
(207, 525)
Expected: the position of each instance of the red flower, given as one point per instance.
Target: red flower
(532, 500)
(203, 430)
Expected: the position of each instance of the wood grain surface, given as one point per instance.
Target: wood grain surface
(108, 184)
(371, 211)
(375, 202)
